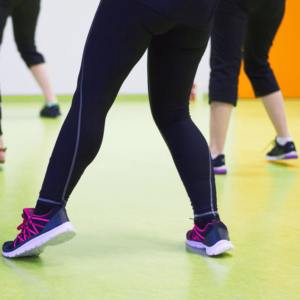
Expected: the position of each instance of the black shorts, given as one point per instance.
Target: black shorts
(24, 15)
(243, 29)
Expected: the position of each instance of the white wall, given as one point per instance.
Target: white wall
(61, 33)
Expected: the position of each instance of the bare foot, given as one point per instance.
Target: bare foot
(2, 151)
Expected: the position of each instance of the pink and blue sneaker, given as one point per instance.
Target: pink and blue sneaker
(213, 238)
(38, 232)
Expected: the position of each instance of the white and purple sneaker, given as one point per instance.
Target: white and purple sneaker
(219, 165)
(287, 151)
(38, 232)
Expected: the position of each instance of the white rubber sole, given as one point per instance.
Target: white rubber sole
(290, 155)
(36, 246)
(218, 248)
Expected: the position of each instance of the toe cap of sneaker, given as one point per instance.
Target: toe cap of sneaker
(7, 246)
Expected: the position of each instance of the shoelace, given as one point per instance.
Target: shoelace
(196, 235)
(273, 143)
(23, 225)
(26, 232)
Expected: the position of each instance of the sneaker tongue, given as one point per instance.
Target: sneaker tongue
(28, 212)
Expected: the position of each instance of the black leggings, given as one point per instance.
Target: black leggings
(248, 24)
(24, 15)
(117, 40)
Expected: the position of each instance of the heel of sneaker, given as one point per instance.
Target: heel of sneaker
(65, 233)
(291, 155)
(57, 236)
(219, 248)
(220, 170)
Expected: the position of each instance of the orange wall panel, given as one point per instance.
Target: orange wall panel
(284, 56)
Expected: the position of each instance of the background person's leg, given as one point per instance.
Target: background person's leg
(24, 19)
(42, 76)
(262, 27)
(116, 42)
(226, 54)
(274, 106)
(173, 60)
(4, 13)
(220, 113)
(2, 152)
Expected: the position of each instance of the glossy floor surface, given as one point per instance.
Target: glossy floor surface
(131, 212)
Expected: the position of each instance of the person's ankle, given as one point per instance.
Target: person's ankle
(283, 140)
(51, 104)
(214, 156)
(43, 208)
(202, 221)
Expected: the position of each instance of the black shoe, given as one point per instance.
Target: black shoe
(214, 238)
(288, 151)
(50, 111)
(219, 165)
(38, 232)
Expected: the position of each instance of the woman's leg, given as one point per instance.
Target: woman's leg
(262, 27)
(2, 151)
(25, 18)
(42, 76)
(5, 10)
(274, 106)
(226, 54)
(172, 64)
(116, 42)
(220, 113)
(173, 60)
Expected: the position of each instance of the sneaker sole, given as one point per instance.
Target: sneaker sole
(220, 170)
(290, 155)
(218, 248)
(35, 247)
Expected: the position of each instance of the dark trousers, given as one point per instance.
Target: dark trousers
(121, 33)
(243, 29)
(24, 15)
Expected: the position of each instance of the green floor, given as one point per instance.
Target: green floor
(131, 212)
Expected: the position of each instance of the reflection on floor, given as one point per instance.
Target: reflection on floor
(131, 212)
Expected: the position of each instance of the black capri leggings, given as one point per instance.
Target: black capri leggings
(24, 15)
(251, 24)
(121, 33)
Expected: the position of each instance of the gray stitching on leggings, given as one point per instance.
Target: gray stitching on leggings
(48, 201)
(79, 116)
(206, 214)
(211, 194)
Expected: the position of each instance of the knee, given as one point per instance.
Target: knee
(30, 55)
(170, 117)
(254, 69)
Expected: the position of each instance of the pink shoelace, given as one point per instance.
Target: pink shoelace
(195, 235)
(26, 232)
(195, 232)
